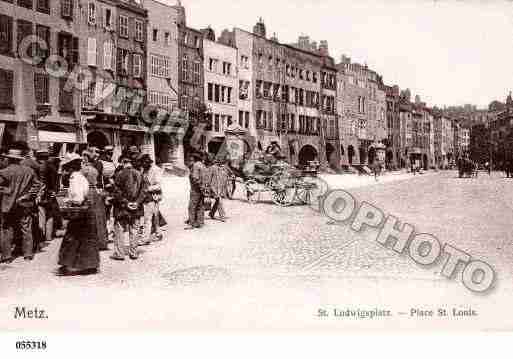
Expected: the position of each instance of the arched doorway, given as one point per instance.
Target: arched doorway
(307, 153)
(363, 155)
(97, 139)
(350, 154)
(164, 147)
(372, 155)
(330, 154)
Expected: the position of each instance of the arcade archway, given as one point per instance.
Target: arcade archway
(306, 154)
(97, 139)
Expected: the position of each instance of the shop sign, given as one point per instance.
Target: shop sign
(134, 128)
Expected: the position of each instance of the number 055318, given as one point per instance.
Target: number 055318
(31, 345)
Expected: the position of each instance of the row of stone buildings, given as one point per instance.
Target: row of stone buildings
(101, 68)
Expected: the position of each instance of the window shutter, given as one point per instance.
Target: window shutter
(75, 51)
(91, 51)
(98, 91)
(107, 55)
(119, 61)
(130, 67)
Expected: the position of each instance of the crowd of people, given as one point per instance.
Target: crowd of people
(209, 178)
(90, 199)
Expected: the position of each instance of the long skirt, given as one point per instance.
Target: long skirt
(80, 246)
(100, 222)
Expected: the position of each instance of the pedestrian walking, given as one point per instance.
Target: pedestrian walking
(94, 161)
(79, 251)
(218, 180)
(96, 199)
(152, 177)
(109, 170)
(128, 199)
(196, 197)
(19, 187)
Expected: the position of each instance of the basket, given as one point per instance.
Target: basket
(71, 211)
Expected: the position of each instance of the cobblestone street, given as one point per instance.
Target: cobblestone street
(271, 267)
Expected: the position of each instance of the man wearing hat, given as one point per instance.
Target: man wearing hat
(152, 177)
(109, 169)
(97, 164)
(128, 198)
(48, 208)
(19, 186)
(196, 197)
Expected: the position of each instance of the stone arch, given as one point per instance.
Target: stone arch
(98, 139)
(306, 154)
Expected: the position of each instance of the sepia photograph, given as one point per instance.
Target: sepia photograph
(186, 166)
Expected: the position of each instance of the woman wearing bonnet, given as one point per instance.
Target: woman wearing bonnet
(79, 252)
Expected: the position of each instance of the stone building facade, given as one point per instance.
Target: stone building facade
(35, 106)
(191, 83)
(114, 53)
(393, 143)
(162, 77)
(281, 87)
(362, 107)
(221, 90)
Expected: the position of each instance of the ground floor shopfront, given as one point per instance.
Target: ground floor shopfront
(55, 137)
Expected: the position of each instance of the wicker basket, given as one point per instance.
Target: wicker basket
(71, 211)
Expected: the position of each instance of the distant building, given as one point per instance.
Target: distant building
(162, 77)
(221, 90)
(289, 93)
(114, 50)
(362, 107)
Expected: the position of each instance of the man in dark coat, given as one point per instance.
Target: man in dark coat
(48, 207)
(196, 197)
(128, 196)
(19, 186)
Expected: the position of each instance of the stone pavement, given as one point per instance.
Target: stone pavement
(273, 267)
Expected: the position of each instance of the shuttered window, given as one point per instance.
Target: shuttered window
(137, 65)
(5, 34)
(42, 88)
(91, 51)
(6, 89)
(108, 51)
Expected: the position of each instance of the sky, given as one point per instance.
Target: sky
(449, 52)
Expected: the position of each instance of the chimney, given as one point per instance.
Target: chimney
(259, 28)
(323, 48)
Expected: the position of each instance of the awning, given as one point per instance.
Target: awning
(59, 137)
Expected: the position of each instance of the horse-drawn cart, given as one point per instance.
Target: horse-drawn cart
(286, 184)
